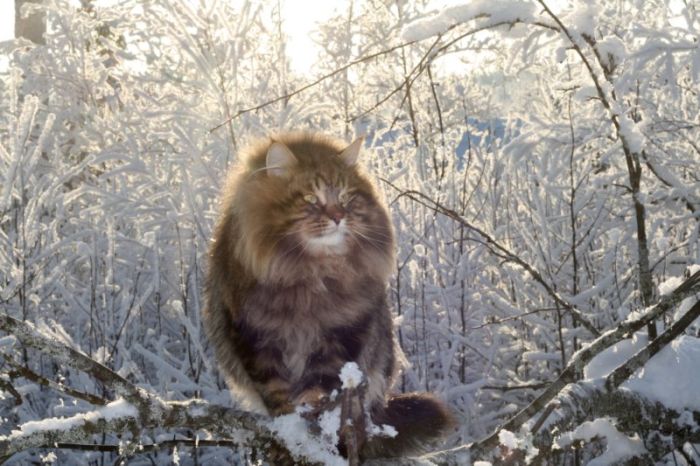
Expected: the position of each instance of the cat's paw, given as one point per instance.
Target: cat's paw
(313, 397)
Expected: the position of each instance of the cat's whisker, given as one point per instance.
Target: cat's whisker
(369, 238)
(378, 231)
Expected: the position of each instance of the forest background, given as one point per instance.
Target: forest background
(541, 161)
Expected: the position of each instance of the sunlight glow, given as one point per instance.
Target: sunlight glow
(7, 20)
(299, 23)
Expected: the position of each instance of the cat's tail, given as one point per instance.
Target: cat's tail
(420, 420)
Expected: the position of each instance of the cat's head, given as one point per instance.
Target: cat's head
(305, 199)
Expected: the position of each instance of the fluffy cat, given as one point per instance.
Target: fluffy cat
(296, 287)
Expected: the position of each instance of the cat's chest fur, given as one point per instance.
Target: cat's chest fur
(299, 319)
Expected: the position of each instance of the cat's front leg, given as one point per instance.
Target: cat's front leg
(276, 394)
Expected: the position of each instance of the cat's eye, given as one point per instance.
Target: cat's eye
(310, 198)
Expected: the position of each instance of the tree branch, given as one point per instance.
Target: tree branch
(26, 333)
(622, 373)
(20, 371)
(137, 410)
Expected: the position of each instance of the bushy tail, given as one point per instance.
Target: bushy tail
(420, 419)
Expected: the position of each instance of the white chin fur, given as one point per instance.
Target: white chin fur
(332, 242)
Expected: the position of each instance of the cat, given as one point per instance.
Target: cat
(296, 287)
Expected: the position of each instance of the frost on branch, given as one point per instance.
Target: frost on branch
(495, 12)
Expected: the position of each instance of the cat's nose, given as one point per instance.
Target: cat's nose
(335, 213)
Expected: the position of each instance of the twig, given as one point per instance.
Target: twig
(7, 386)
(145, 448)
(632, 159)
(350, 431)
(372, 56)
(543, 417)
(510, 318)
(507, 388)
(313, 83)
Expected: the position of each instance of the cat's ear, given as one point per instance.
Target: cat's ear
(351, 153)
(279, 159)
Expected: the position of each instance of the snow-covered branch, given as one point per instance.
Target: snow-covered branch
(630, 415)
(136, 411)
(574, 370)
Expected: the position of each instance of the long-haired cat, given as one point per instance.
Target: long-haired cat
(297, 279)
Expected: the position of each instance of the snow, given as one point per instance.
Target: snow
(351, 375)
(677, 362)
(293, 431)
(329, 422)
(8, 341)
(508, 439)
(666, 287)
(385, 430)
(611, 50)
(497, 11)
(631, 133)
(522, 442)
(532, 356)
(582, 19)
(176, 456)
(606, 361)
(112, 215)
(114, 410)
(686, 419)
(618, 446)
(49, 458)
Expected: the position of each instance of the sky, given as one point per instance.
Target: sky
(7, 19)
